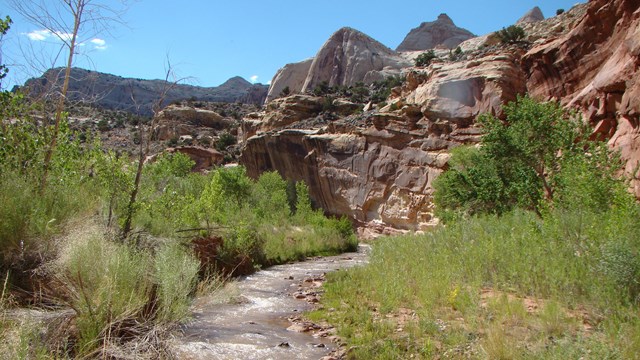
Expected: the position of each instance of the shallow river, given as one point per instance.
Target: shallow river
(255, 325)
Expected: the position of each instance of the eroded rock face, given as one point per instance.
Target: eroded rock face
(594, 68)
(440, 33)
(459, 91)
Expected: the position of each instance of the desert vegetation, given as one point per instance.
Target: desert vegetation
(538, 256)
(425, 58)
(126, 268)
(511, 34)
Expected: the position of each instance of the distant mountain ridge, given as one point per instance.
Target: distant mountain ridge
(138, 95)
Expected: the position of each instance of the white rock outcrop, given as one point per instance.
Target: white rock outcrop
(292, 76)
(440, 33)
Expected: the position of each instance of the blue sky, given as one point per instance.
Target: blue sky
(211, 41)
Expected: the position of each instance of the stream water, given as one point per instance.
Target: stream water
(255, 325)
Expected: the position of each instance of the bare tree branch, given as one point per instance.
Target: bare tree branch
(72, 22)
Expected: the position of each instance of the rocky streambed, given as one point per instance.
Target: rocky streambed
(261, 319)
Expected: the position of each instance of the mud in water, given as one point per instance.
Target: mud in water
(254, 325)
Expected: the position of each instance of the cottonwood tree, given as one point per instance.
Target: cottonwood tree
(170, 82)
(73, 22)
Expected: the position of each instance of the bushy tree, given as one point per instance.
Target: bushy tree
(425, 58)
(539, 156)
(510, 35)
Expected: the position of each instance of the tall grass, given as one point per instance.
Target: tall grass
(575, 265)
(108, 285)
(176, 274)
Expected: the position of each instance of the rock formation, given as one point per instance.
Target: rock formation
(347, 57)
(377, 166)
(350, 56)
(531, 16)
(440, 33)
(137, 95)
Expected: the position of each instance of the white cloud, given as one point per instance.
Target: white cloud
(254, 79)
(269, 82)
(39, 35)
(64, 36)
(42, 35)
(99, 44)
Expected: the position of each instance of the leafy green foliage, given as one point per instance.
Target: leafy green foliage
(559, 11)
(4, 27)
(536, 158)
(425, 58)
(511, 35)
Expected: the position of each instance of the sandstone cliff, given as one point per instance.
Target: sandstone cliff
(137, 95)
(377, 166)
(440, 33)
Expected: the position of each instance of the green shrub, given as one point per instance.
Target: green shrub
(559, 11)
(425, 58)
(518, 167)
(510, 35)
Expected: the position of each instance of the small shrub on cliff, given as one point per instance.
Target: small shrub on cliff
(559, 11)
(425, 58)
(285, 92)
(322, 89)
(224, 141)
(511, 35)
